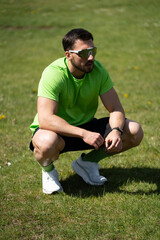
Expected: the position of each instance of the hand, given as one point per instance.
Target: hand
(113, 142)
(92, 138)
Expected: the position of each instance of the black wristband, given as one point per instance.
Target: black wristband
(119, 129)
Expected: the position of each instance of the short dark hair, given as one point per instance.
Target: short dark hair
(73, 35)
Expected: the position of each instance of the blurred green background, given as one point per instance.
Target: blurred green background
(127, 34)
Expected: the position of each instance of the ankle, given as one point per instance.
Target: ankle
(48, 168)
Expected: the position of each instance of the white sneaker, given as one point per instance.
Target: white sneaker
(89, 171)
(50, 182)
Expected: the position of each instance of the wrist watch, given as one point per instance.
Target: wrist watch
(119, 129)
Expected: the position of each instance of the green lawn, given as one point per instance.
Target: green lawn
(127, 34)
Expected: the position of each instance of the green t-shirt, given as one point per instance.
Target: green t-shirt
(77, 98)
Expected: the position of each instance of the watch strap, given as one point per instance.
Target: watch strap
(119, 129)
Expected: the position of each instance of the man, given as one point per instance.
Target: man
(67, 102)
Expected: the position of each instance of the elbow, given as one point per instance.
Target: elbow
(43, 123)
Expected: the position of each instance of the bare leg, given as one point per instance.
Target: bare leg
(132, 135)
(47, 146)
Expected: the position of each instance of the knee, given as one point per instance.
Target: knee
(137, 134)
(46, 147)
(49, 146)
(52, 146)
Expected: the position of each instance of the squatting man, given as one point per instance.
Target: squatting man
(68, 95)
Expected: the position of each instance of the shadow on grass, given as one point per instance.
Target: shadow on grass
(120, 180)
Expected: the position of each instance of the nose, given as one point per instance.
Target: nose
(90, 57)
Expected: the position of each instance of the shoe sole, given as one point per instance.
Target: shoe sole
(83, 174)
(50, 192)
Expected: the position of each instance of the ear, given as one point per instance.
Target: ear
(68, 55)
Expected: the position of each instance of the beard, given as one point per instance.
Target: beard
(86, 68)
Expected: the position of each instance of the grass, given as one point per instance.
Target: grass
(127, 208)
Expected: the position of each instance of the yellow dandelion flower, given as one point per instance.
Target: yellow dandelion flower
(125, 95)
(149, 103)
(2, 116)
(136, 68)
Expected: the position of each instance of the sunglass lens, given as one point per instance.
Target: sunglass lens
(94, 51)
(83, 53)
(86, 52)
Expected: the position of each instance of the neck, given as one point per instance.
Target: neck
(75, 71)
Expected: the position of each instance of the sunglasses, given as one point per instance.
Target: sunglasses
(85, 53)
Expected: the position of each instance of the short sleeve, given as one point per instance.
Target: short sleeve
(50, 83)
(106, 83)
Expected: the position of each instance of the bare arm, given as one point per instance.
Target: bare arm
(117, 119)
(47, 110)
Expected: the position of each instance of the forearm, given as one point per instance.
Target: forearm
(112, 104)
(60, 126)
(117, 119)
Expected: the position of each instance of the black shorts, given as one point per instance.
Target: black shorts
(77, 144)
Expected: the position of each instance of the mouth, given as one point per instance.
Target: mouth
(89, 63)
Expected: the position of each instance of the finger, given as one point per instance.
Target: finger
(100, 140)
(115, 147)
(96, 146)
(117, 143)
(100, 143)
(107, 144)
(112, 145)
(119, 146)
